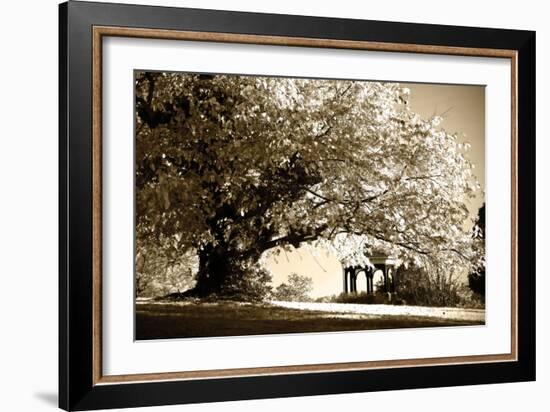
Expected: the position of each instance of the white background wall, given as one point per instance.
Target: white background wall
(28, 203)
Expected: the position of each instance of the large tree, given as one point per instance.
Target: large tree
(233, 166)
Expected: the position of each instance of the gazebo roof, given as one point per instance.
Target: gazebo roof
(372, 260)
(382, 259)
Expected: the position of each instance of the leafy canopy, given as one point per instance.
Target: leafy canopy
(252, 164)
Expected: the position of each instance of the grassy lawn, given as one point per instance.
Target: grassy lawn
(161, 321)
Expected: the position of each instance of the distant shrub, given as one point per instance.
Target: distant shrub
(297, 289)
(418, 287)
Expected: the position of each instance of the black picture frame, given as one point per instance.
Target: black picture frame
(77, 387)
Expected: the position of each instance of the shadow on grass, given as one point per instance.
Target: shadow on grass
(163, 321)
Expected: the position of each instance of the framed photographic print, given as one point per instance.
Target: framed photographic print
(256, 205)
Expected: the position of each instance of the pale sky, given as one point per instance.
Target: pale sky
(463, 112)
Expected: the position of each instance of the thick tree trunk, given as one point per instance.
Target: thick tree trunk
(224, 272)
(218, 271)
(215, 271)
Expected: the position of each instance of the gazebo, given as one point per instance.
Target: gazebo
(378, 261)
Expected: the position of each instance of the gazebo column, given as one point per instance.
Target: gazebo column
(369, 273)
(345, 279)
(385, 271)
(353, 280)
(371, 280)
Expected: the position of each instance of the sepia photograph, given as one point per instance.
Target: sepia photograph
(276, 205)
(259, 205)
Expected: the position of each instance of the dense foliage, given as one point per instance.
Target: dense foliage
(159, 273)
(296, 289)
(436, 288)
(230, 168)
